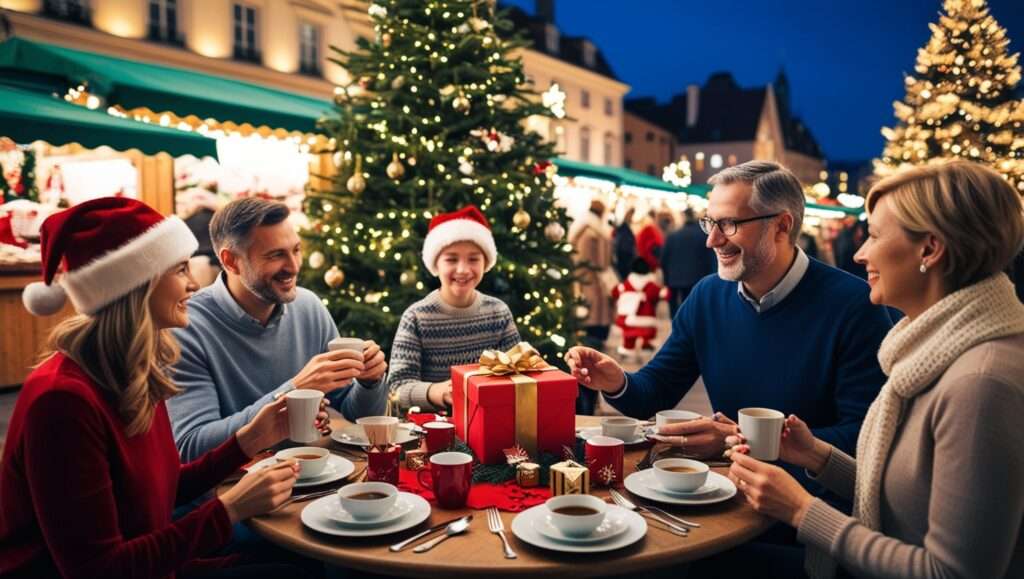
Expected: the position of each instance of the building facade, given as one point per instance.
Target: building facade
(647, 146)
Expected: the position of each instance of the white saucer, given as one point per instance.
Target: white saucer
(316, 517)
(704, 489)
(353, 435)
(337, 513)
(524, 527)
(337, 468)
(643, 484)
(591, 431)
(612, 526)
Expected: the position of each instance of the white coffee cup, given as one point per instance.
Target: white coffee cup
(762, 427)
(308, 467)
(620, 427)
(368, 508)
(574, 525)
(379, 430)
(353, 344)
(673, 416)
(674, 480)
(303, 405)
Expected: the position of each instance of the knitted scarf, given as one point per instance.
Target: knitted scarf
(914, 355)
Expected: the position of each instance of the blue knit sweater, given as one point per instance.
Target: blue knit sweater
(814, 354)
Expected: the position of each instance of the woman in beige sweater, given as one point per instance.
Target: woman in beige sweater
(938, 482)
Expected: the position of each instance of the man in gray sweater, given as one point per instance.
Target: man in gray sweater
(254, 334)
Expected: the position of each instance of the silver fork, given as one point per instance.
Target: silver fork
(625, 503)
(496, 526)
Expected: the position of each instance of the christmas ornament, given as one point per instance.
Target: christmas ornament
(408, 277)
(569, 478)
(334, 277)
(447, 90)
(465, 167)
(478, 24)
(395, 169)
(494, 140)
(515, 455)
(416, 459)
(385, 40)
(554, 231)
(316, 260)
(356, 184)
(540, 167)
(554, 100)
(678, 173)
(398, 82)
(582, 312)
(461, 104)
(528, 474)
(377, 11)
(521, 219)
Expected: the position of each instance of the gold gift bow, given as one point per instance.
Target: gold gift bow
(521, 358)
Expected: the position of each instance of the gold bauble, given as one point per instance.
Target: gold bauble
(395, 169)
(408, 277)
(334, 277)
(554, 231)
(356, 184)
(385, 39)
(461, 104)
(521, 219)
(316, 260)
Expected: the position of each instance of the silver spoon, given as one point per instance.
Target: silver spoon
(456, 528)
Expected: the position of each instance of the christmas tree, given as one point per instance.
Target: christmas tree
(432, 120)
(960, 103)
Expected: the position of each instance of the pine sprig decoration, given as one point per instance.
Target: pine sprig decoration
(500, 473)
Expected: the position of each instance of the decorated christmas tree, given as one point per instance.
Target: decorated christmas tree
(960, 103)
(432, 120)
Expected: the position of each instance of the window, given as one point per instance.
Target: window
(716, 161)
(73, 10)
(163, 20)
(650, 136)
(589, 54)
(628, 137)
(609, 148)
(585, 144)
(551, 38)
(309, 49)
(629, 163)
(609, 107)
(585, 98)
(246, 47)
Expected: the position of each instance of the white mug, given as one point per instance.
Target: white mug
(303, 405)
(354, 344)
(762, 427)
(673, 416)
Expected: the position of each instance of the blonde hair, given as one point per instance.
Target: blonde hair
(975, 212)
(121, 349)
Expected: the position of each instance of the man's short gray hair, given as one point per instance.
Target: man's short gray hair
(232, 225)
(775, 189)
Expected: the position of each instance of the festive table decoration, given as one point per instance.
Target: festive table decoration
(382, 464)
(528, 474)
(510, 398)
(415, 459)
(569, 478)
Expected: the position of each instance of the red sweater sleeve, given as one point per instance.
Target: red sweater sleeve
(203, 473)
(66, 463)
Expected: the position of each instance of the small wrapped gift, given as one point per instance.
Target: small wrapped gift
(416, 459)
(569, 478)
(528, 474)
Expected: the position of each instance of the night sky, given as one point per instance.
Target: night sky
(845, 59)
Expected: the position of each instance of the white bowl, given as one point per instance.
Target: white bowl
(681, 481)
(308, 467)
(576, 525)
(366, 509)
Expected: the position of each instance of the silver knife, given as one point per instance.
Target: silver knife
(399, 546)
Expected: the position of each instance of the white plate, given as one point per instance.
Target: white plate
(524, 528)
(643, 484)
(706, 488)
(337, 468)
(591, 431)
(315, 516)
(353, 435)
(612, 526)
(338, 513)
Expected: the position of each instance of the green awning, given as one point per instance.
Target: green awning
(133, 84)
(27, 116)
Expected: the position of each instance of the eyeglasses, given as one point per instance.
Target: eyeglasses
(729, 226)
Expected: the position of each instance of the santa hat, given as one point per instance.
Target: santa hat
(108, 247)
(466, 224)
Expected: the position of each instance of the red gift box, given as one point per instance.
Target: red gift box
(485, 411)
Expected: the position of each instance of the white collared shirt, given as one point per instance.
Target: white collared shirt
(782, 289)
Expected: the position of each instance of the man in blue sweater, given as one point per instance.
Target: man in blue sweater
(773, 329)
(254, 334)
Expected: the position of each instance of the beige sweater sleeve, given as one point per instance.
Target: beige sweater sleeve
(976, 505)
(839, 474)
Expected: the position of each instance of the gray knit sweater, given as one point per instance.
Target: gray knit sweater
(434, 336)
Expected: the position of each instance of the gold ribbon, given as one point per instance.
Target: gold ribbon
(513, 363)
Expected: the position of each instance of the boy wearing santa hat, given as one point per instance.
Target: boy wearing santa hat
(454, 324)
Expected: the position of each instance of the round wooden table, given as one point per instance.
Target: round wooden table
(478, 552)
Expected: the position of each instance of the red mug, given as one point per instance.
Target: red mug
(451, 474)
(382, 466)
(604, 459)
(440, 436)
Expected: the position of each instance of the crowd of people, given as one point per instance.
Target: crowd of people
(897, 457)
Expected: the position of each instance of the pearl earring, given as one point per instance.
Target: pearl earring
(923, 268)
